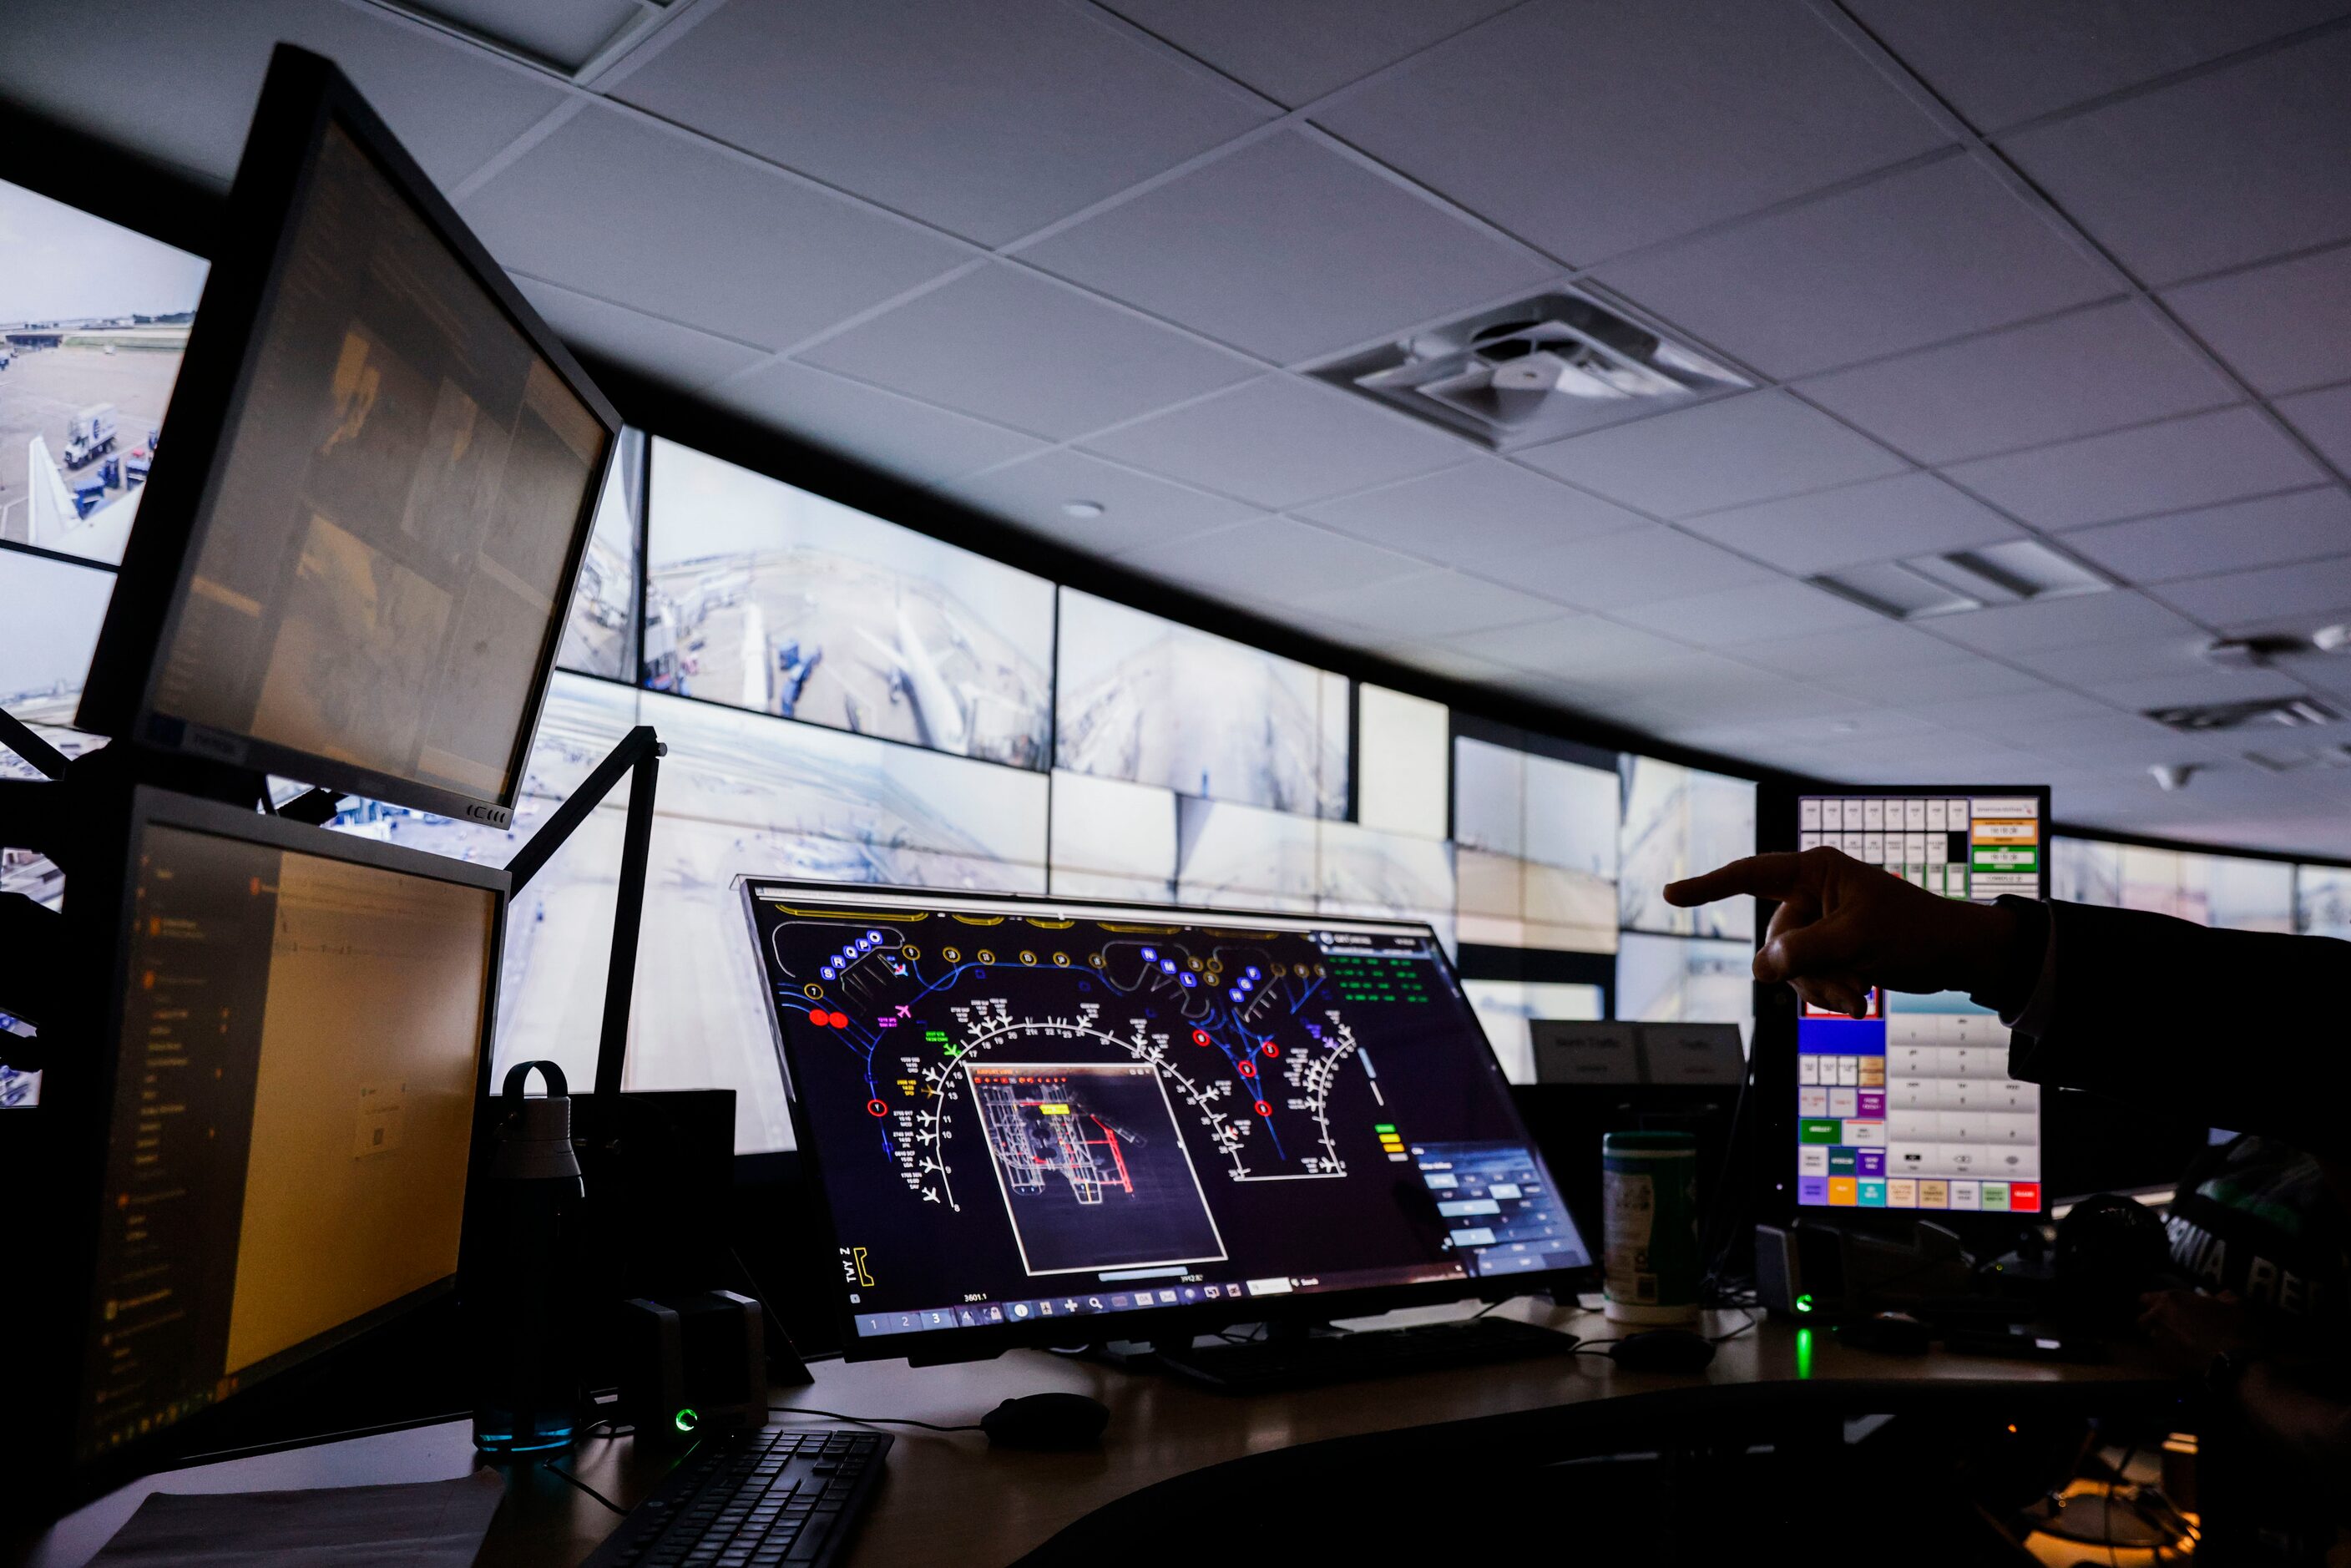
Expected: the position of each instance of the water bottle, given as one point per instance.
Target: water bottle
(525, 1305)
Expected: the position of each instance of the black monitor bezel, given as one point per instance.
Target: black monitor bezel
(1177, 1324)
(82, 1094)
(1775, 1079)
(303, 94)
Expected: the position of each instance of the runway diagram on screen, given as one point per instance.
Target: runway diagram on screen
(1108, 1072)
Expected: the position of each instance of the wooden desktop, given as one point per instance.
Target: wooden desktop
(950, 1499)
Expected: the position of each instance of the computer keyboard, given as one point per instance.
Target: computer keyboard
(1260, 1366)
(779, 1495)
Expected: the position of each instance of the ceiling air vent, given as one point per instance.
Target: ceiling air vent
(2289, 713)
(2296, 761)
(2017, 573)
(1535, 371)
(575, 39)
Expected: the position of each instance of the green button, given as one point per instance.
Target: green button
(1844, 1161)
(1819, 1130)
(2007, 857)
(1995, 1194)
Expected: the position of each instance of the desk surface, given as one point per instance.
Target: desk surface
(1160, 1429)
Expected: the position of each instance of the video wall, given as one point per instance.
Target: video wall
(845, 699)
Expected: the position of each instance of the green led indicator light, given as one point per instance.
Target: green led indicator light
(1804, 1303)
(1384, 1127)
(687, 1420)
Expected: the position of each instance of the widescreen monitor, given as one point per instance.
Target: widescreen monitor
(1025, 1112)
(355, 557)
(270, 1152)
(1912, 1107)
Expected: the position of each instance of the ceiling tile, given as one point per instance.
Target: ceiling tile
(663, 351)
(2324, 418)
(1287, 248)
(2254, 150)
(1548, 120)
(1853, 653)
(2193, 688)
(641, 214)
(1024, 350)
(2301, 524)
(1910, 259)
(1748, 448)
(1297, 50)
(2083, 373)
(1879, 520)
(2060, 623)
(2174, 651)
(1570, 646)
(1138, 509)
(1268, 561)
(913, 439)
(2198, 461)
(1637, 567)
(1280, 442)
(2265, 595)
(1484, 510)
(1439, 660)
(2285, 326)
(1431, 605)
(989, 120)
(1757, 613)
(1953, 680)
(2001, 61)
(1997, 715)
(178, 83)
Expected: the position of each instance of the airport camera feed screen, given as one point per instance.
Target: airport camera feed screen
(1913, 1106)
(383, 563)
(295, 1073)
(1024, 1111)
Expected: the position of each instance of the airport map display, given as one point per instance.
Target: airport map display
(1023, 1110)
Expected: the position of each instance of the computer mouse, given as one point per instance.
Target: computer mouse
(1663, 1350)
(1889, 1334)
(1045, 1421)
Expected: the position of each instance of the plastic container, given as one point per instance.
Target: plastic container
(1649, 1203)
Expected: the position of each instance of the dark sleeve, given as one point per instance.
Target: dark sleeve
(2242, 1030)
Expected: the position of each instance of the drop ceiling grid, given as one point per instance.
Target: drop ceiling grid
(1302, 119)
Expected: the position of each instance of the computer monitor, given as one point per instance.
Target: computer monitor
(352, 565)
(1912, 1108)
(266, 1150)
(1023, 1112)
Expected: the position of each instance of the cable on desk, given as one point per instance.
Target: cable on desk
(555, 1469)
(1734, 1333)
(868, 1421)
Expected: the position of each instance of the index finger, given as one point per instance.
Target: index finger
(1764, 876)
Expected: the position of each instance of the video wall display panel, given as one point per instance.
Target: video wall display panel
(768, 598)
(1686, 979)
(884, 803)
(599, 636)
(1241, 857)
(1112, 836)
(2321, 900)
(53, 610)
(1676, 822)
(93, 324)
(1362, 870)
(1155, 702)
(1402, 762)
(1537, 860)
(1506, 1011)
(2085, 871)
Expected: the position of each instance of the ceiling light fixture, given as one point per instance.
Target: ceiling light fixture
(1085, 508)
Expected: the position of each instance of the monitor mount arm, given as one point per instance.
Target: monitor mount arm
(637, 758)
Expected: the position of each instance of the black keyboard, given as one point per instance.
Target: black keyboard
(779, 1495)
(1256, 1366)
